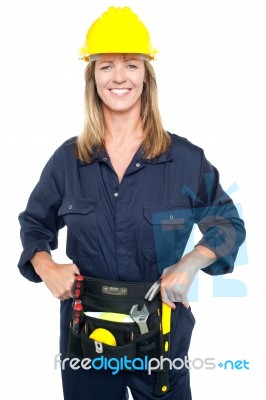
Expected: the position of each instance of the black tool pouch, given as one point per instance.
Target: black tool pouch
(116, 297)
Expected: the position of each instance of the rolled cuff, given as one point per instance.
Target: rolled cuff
(223, 264)
(25, 267)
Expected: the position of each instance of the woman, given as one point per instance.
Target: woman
(129, 193)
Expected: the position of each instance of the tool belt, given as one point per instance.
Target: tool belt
(91, 294)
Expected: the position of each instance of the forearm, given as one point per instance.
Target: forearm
(206, 256)
(59, 278)
(200, 257)
(41, 261)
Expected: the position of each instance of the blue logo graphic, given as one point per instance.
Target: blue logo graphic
(174, 236)
(238, 364)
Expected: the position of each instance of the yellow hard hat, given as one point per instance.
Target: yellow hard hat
(118, 30)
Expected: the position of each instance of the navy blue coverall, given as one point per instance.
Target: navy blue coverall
(121, 231)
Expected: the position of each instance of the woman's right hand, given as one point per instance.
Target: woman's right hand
(59, 278)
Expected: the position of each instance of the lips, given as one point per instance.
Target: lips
(119, 92)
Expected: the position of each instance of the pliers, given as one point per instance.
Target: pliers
(153, 290)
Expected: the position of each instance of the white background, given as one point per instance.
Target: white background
(211, 75)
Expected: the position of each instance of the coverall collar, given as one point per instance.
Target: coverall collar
(103, 156)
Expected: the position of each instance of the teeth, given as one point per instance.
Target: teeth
(120, 92)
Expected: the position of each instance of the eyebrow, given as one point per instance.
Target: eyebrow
(125, 60)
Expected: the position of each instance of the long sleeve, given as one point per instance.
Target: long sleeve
(40, 221)
(218, 220)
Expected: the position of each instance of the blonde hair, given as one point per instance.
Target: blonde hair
(156, 139)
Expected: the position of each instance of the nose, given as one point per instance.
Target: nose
(119, 74)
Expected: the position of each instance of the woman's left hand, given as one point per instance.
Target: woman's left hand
(175, 283)
(177, 279)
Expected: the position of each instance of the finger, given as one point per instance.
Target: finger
(185, 301)
(166, 300)
(75, 269)
(171, 295)
(170, 304)
(65, 296)
(164, 272)
(71, 288)
(70, 293)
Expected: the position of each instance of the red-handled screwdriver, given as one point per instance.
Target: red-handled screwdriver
(77, 316)
(78, 289)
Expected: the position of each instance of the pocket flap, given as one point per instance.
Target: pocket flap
(168, 216)
(77, 206)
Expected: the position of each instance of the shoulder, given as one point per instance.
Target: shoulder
(66, 150)
(68, 145)
(181, 146)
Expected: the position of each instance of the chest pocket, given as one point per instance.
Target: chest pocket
(81, 221)
(166, 232)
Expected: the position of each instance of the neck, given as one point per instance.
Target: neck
(122, 126)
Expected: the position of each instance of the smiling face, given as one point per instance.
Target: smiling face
(119, 80)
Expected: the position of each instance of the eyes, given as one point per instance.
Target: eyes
(109, 67)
